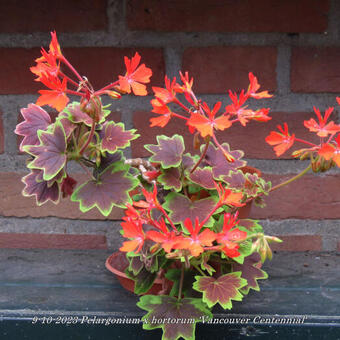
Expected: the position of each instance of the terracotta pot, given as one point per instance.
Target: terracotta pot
(117, 263)
(244, 212)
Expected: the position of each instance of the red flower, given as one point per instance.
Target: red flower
(133, 229)
(206, 124)
(322, 129)
(195, 241)
(254, 86)
(228, 236)
(330, 151)
(283, 140)
(135, 76)
(56, 97)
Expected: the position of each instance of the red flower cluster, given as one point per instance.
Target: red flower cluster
(193, 238)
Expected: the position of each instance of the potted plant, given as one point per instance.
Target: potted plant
(189, 244)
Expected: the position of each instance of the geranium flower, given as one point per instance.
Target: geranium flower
(283, 140)
(135, 76)
(330, 151)
(322, 129)
(133, 229)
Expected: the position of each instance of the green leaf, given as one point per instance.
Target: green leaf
(181, 207)
(177, 318)
(220, 290)
(143, 280)
(110, 189)
(251, 272)
(168, 151)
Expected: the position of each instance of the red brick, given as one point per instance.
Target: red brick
(298, 243)
(116, 116)
(14, 204)
(42, 16)
(101, 65)
(310, 197)
(52, 241)
(315, 69)
(250, 139)
(218, 69)
(228, 16)
(2, 141)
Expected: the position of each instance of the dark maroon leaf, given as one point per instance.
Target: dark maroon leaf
(163, 311)
(36, 119)
(68, 126)
(216, 159)
(171, 179)
(115, 136)
(168, 152)
(234, 180)
(42, 190)
(50, 155)
(76, 115)
(181, 207)
(250, 272)
(188, 161)
(67, 186)
(110, 189)
(220, 290)
(108, 159)
(203, 177)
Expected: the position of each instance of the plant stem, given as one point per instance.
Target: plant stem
(226, 154)
(199, 269)
(292, 179)
(211, 213)
(181, 284)
(304, 142)
(178, 115)
(167, 217)
(202, 155)
(89, 139)
(182, 105)
(107, 87)
(87, 170)
(68, 64)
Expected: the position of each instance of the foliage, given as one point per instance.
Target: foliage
(181, 221)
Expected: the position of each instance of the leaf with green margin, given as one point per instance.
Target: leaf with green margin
(245, 249)
(234, 180)
(188, 161)
(252, 226)
(115, 136)
(35, 118)
(181, 207)
(220, 290)
(171, 179)
(203, 177)
(135, 265)
(42, 190)
(50, 155)
(168, 152)
(110, 189)
(143, 280)
(167, 308)
(174, 275)
(251, 272)
(216, 159)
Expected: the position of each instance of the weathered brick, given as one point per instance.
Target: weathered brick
(250, 139)
(2, 134)
(338, 247)
(52, 241)
(218, 69)
(228, 16)
(315, 69)
(101, 65)
(14, 204)
(66, 16)
(298, 243)
(310, 197)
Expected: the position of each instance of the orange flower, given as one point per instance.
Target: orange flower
(283, 140)
(135, 76)
(206, 124)
(330, 151)
(133, 230)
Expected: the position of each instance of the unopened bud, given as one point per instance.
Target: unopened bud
(113, 94)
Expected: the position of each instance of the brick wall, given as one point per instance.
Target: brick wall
(293, 46)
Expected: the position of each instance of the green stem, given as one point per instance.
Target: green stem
(89, 139)
(292, 179)
(181, 284)
(199, 269)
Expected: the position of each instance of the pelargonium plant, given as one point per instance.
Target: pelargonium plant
(184, 219)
